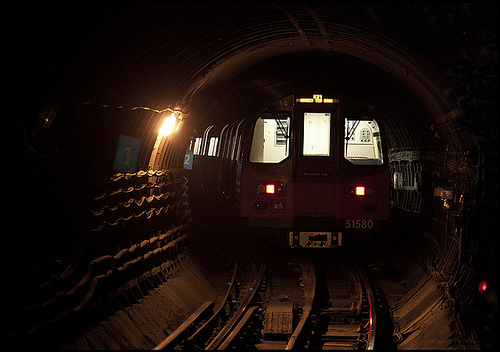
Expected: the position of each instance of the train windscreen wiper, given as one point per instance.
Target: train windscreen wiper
(282, 129)
(350, 132)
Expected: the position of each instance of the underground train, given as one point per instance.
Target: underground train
(314, 176)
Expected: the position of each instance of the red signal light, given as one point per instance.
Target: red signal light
(483, 285)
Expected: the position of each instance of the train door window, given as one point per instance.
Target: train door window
(212, 146)
(270, 140)
(316, 134)
(362, 143)
(197, 146)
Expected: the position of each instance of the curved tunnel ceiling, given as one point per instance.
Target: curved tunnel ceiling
(187, 55)
(219, 62)
(231, 38)
(246, 93)
(335, 31)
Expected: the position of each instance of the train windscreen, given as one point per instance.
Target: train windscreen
(316, 134)
(270, 140)
(363, 144)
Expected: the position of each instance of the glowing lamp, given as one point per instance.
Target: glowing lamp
(483, 285)
(270, 188)
(360, 191)
(168, 125)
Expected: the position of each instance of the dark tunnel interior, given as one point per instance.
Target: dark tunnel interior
(83, 77)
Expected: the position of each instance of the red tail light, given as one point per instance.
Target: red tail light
(361, 191)
(270, 188)
(278, 188)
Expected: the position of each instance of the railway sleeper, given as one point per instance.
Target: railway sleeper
(340, 312)
(344, 317)
(344, 331)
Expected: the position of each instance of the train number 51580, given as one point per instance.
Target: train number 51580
(358, 224)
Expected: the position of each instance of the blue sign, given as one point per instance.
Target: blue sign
(188, 160)
(127, 154)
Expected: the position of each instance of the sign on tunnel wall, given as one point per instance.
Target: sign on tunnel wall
(127, 154)
(188, 160)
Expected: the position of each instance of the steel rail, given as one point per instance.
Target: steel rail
(244, 306)
(309, 281)
(236, 331)
(174, 338)
(183, 330)
(372, 322)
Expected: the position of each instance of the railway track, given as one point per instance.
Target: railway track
(209, 329)
(345, 316)
(290, 304)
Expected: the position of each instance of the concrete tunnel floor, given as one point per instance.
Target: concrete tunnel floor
(206, 269)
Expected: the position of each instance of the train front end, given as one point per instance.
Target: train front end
(316, 176)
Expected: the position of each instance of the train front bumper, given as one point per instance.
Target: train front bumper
(314, 239)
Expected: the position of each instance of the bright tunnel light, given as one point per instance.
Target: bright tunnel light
(168, 125)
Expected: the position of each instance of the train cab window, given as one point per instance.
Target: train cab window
(316, 134)
(363, 144)
(270, 140)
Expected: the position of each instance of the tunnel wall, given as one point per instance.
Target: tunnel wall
(135, 237)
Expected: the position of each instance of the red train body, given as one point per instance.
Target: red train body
(319, 172)
(313, 175)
